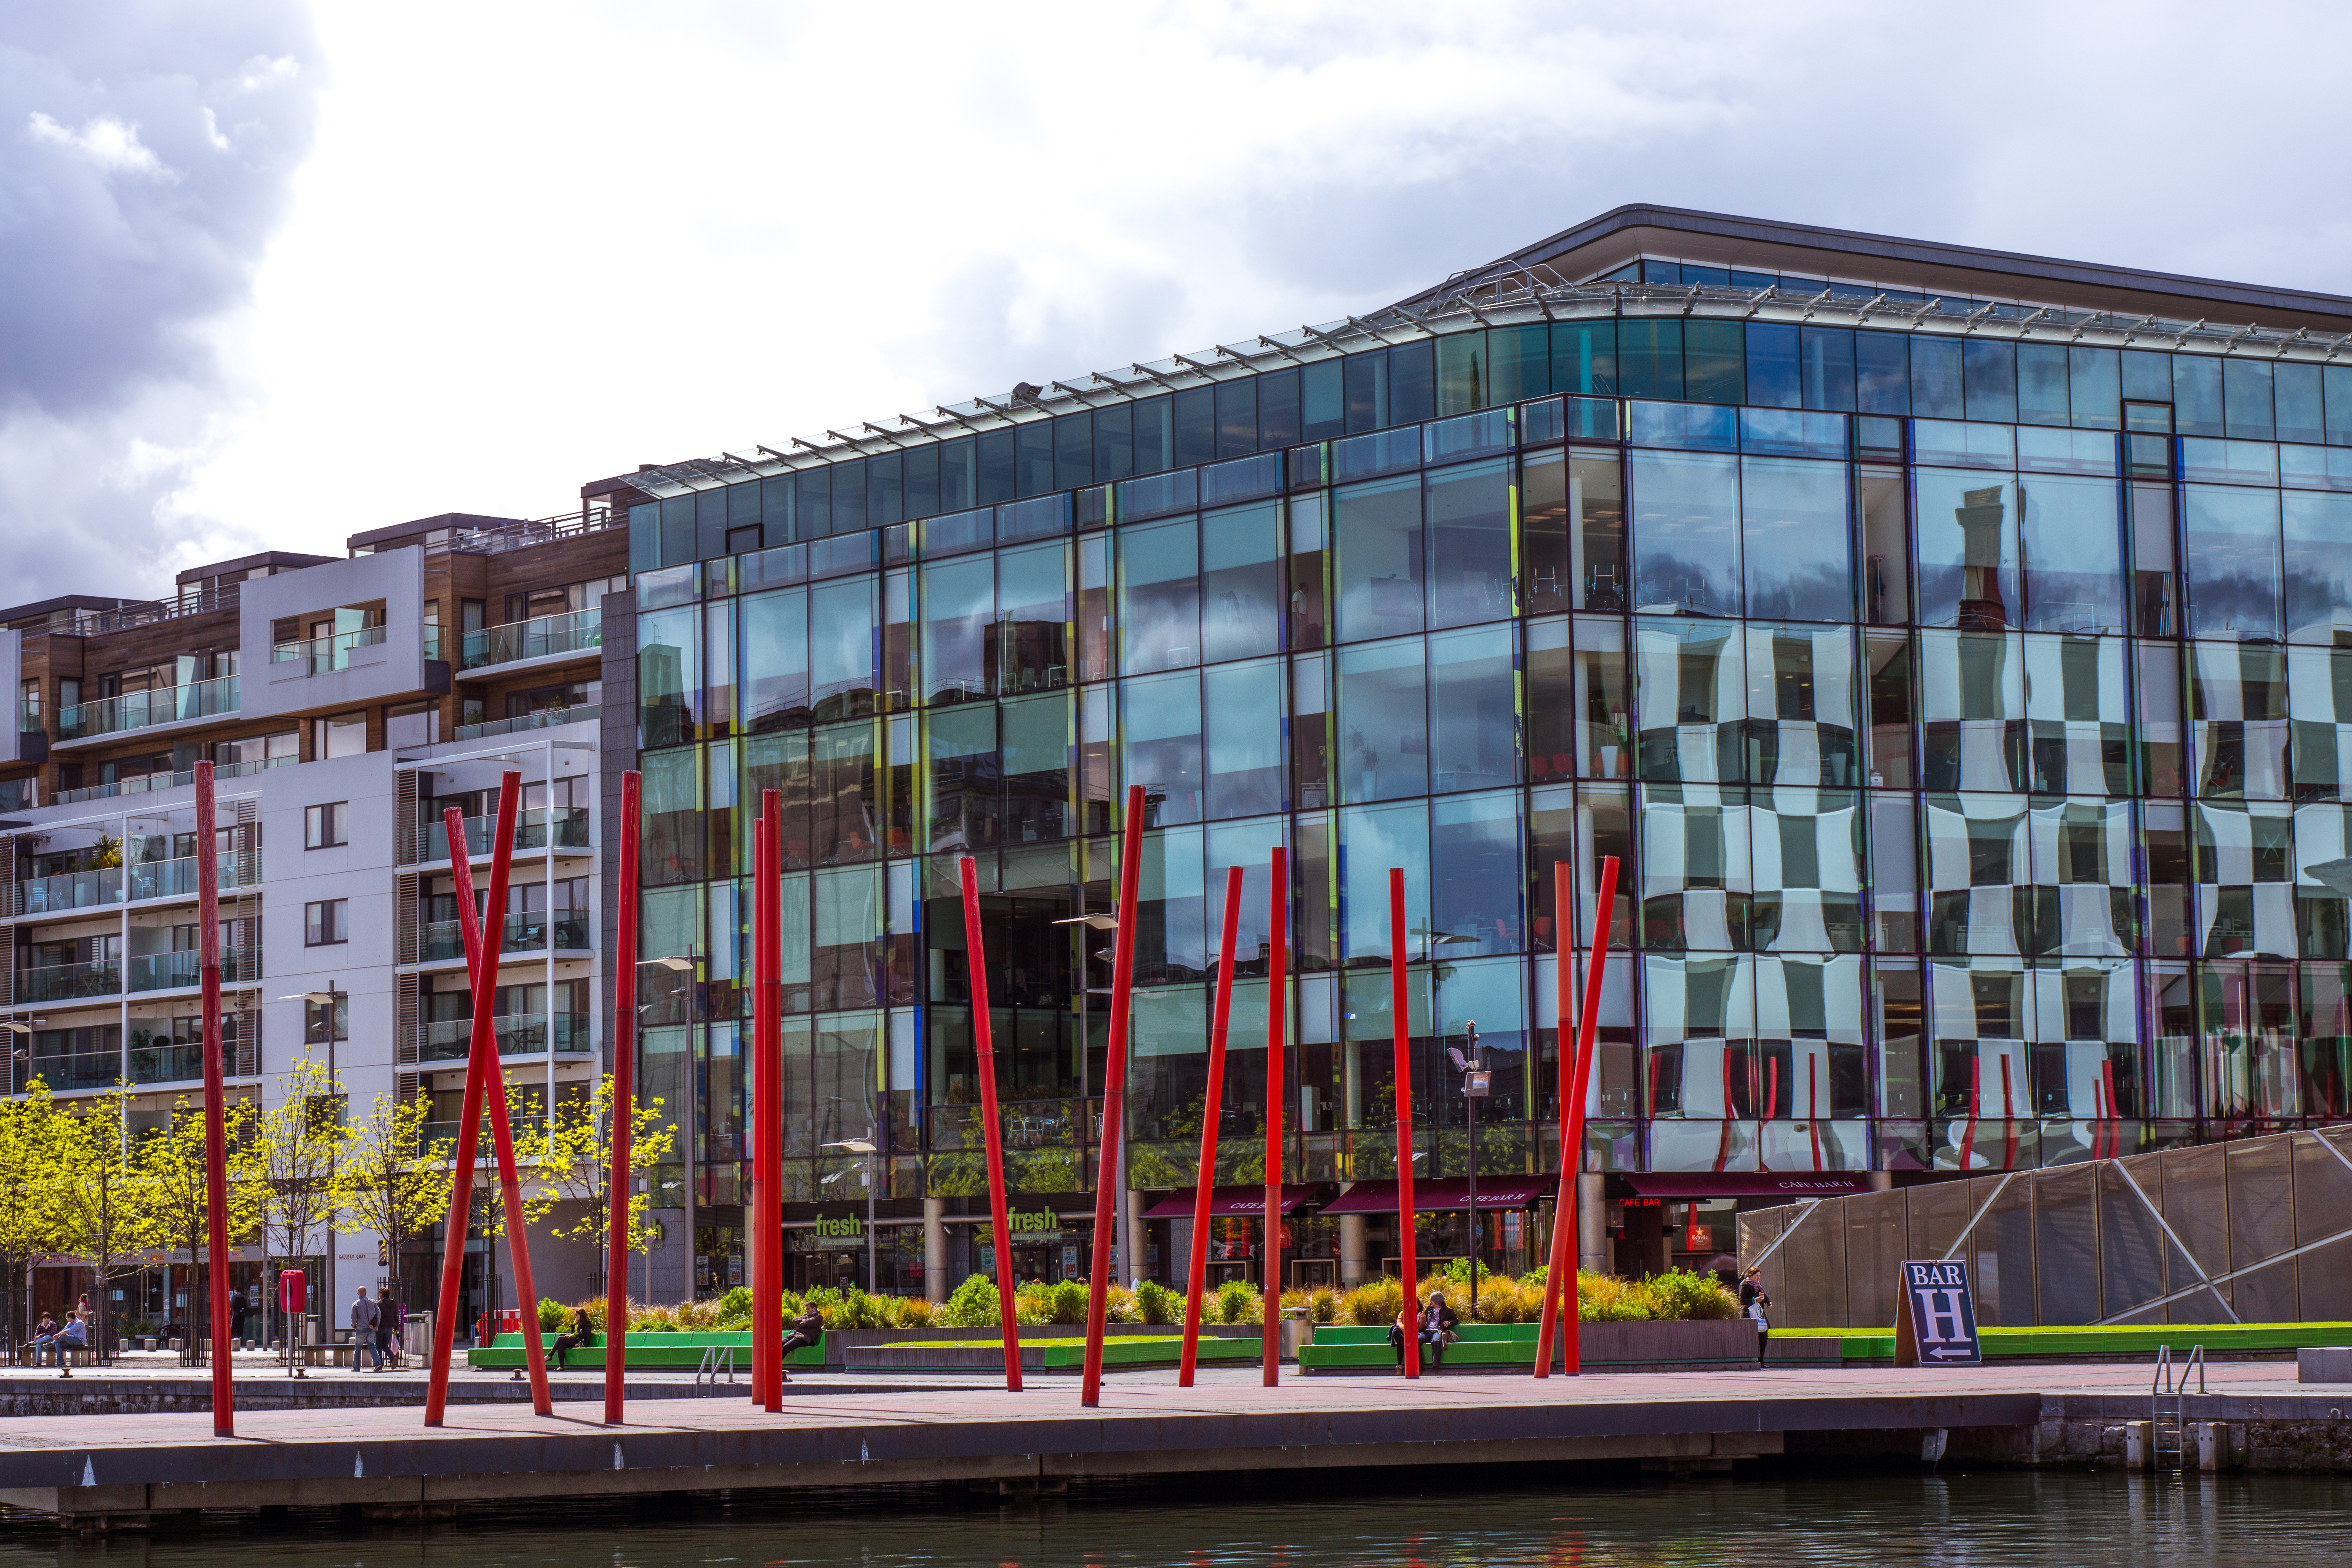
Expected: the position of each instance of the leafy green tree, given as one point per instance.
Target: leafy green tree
(36, 1134)
(391, 1180)
(572, 1153)
(106, 1216)
(171, 1162)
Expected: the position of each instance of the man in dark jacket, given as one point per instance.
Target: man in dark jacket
(1437, 1326)
(803, 1332)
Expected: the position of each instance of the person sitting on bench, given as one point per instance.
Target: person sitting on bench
(806, 1332)
(582, 1333)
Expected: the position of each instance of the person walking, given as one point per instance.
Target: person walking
(389, 1320)
(583, 1330)
(1438, 1324)
(807, 1332)
(363, 1321)
(1756, 1305)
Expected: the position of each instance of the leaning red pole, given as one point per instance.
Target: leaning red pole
(992, 1133)
(1122, 984)
(215, 1096)
(1575, 1076)
(768, 1300)
(1400, 1007)
(482, 950)
(1196, 1268)
(620, 1182)
(1276, 1087)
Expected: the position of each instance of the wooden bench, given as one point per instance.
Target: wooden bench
(76, 1355)
(327, 1354)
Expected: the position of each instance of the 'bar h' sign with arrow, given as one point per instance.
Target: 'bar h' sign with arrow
(1937, 1326)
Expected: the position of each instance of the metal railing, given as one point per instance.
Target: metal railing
(532, 831)
(71, 891)
(594, 518)
(171, 1063)
(441, 940)
(91, 623)
(143, 709)
(448, 1040)
(327, 653)
(169, 971)
(544, 719)
(69, 982)
(570, 632)
(177, 879)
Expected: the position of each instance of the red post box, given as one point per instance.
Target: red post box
(292, 1292)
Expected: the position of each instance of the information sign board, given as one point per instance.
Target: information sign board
(1936, 1324)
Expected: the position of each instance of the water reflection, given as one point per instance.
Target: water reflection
(2079, 1521)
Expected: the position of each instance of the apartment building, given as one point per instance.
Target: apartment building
(344, 702)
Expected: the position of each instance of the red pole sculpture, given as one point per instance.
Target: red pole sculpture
(1400, 1006)
(1276, 1086)
(1212, 1108)
(755, 1244)
(1575, 1074)
(483, 1066)
(215, 1097)
(484, 941)
(1122, 984)
(619, 1185)
(768, 1080)
(993, 1135)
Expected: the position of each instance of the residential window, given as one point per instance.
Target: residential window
(418, 724)
(325, 826)
(326, 921)
(322, 1023)
(343, 735)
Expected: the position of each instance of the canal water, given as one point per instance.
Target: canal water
(1868, 1520)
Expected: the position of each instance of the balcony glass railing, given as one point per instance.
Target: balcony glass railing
(71, 891)
(570, 633)
(543, 718)
(167, 971)
(533, 829)
(141, 783)
(448, 1040)
(177, 879)
(143, 709)
(327, 653)
(93, 1069)
(167, 1063)
(441, 940)
(66, 982)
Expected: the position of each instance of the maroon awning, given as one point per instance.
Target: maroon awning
(1228, 1202)
(1685, 1185)
(1435, 1193)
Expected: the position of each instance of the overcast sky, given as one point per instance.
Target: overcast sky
(272, 273)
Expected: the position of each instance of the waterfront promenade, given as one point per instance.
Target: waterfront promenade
(383, 1460)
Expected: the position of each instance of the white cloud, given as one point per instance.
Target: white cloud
(105, 142)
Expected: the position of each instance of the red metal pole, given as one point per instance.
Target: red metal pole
(992, 1134)
(1122, 984)
(484, 941)
(620, 1182)
(1276, 1086)
(1575, 1076)
(1400, 1006)
(461, 1175)
(768, 1304)
(216, 1099)
(755, 1243)
(1212, 1108)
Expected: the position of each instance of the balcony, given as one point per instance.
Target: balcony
(71, 891)
(169, 1063)
(439, 941)
(177, 879)
(70, 982)
(169, 971)
(145, 709)
(93, 1069)
(545, 637)
(322, 655)
(448, 1040)
(144, 784)
(533, 829)
(544, 719)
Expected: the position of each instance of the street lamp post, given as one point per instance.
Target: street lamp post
(1476, 1079)
(864, 1146)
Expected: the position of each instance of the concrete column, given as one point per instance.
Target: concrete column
(1352, 1249)
(935, 1249)
(1591, 1222)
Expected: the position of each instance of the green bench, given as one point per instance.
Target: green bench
(1878, 1344)
(1340, 1347)
(647, 1353)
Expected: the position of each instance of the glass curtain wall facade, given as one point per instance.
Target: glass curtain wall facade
(1970, 718)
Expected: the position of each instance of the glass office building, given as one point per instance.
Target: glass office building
(1955, 649)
